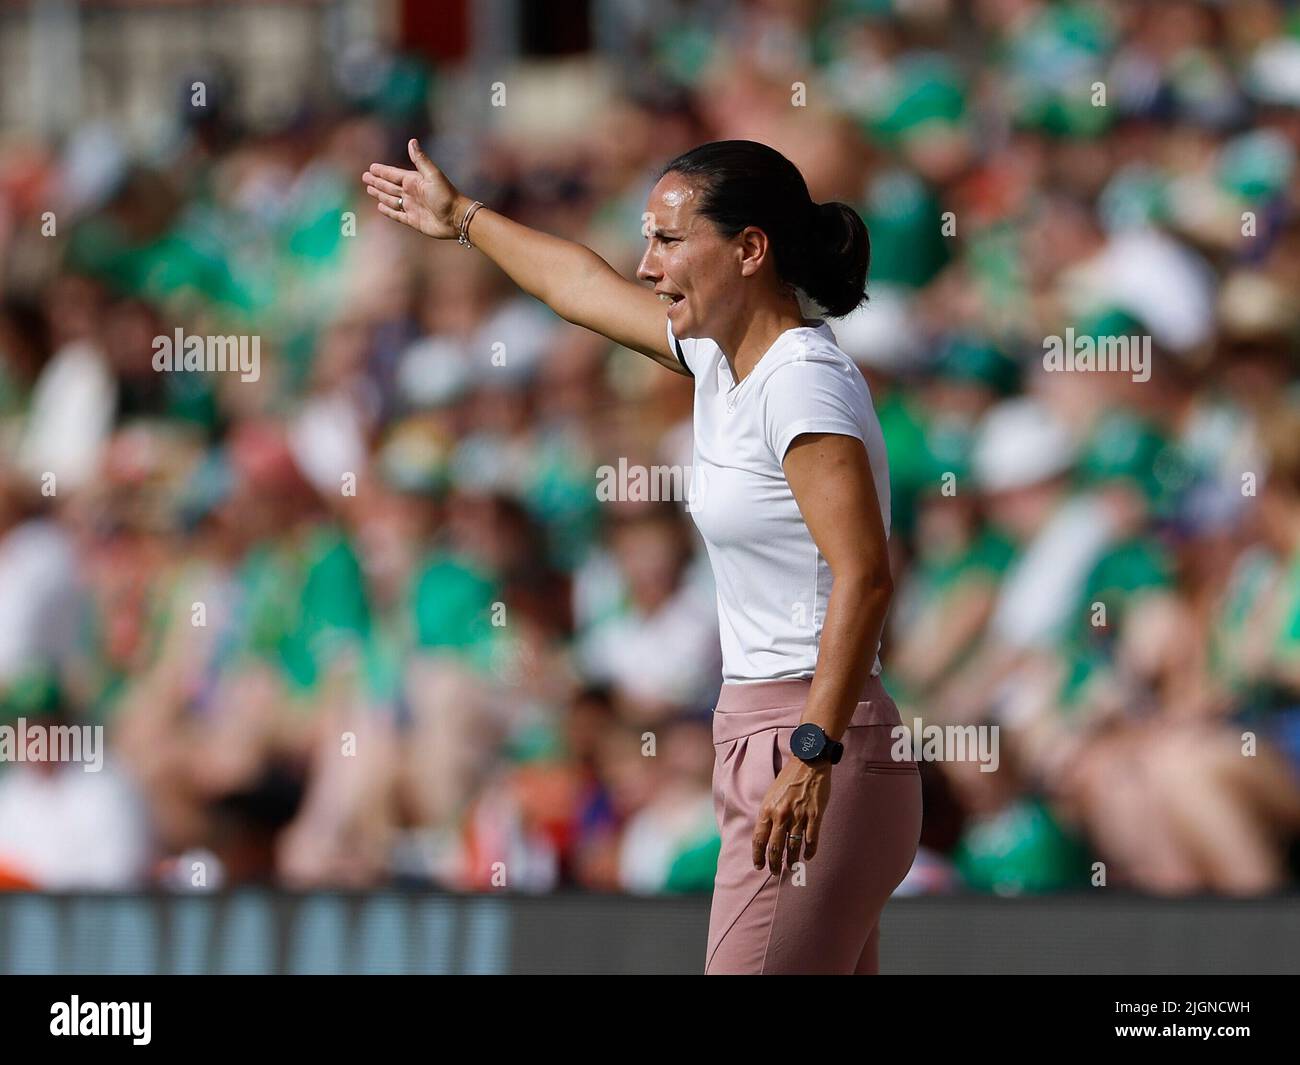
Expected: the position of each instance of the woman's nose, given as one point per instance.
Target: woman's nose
(648, 270)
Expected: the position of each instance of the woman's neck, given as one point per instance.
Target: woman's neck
(755, 333)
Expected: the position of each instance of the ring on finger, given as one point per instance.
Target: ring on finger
(401, 203)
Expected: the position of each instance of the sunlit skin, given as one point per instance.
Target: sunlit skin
(730, 293)
(724, 289)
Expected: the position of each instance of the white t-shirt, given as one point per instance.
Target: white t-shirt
(773, 584)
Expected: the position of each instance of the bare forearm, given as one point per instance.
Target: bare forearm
(575, 282)
(549, 268)
(855, 618)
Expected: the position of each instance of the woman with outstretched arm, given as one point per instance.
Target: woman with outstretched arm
(790, 492)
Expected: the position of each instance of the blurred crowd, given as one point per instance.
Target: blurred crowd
(364, 620)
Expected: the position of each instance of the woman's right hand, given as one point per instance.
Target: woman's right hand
(575, 282)
(429, 202)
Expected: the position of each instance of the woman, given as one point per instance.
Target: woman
(793, 507)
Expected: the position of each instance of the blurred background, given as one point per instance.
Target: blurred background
(363, 623)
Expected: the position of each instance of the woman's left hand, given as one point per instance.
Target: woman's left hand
(791, 815)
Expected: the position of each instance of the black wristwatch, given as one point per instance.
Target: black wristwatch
(810, 744)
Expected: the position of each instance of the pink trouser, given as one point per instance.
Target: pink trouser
(822, 917)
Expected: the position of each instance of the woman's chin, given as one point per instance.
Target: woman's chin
(681, 321)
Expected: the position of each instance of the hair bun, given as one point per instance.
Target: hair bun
(832, 227)
(837, 279)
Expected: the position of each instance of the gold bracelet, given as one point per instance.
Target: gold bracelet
(463, 239)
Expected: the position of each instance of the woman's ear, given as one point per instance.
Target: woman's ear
(754, 249)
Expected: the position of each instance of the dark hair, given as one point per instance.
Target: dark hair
(822, 248)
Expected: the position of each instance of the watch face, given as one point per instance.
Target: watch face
(808, 741)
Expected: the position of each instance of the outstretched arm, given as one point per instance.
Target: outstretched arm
(575, 282)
